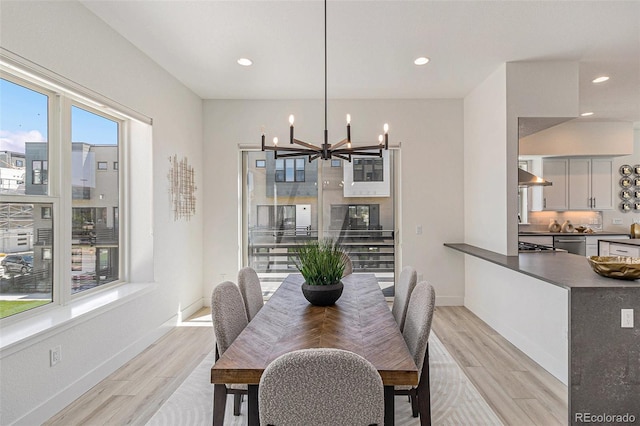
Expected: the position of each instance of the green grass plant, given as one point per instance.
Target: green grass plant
(12, 307)
(321, 262)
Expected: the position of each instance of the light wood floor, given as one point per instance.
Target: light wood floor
(518, 390)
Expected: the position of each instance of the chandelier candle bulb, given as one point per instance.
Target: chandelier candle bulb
(291, 129)
(386, 136)
(275, 141)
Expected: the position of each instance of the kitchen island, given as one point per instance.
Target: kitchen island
(603, 371)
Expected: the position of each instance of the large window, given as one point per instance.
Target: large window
(38, 171)
(315, 204)
(94, 230)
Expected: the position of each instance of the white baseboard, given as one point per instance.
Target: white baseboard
(191, 309)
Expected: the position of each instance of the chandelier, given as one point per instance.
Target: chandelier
(343, 149)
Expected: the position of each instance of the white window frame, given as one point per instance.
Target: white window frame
(59, 146)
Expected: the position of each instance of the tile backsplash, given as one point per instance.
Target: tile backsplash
(539, 221)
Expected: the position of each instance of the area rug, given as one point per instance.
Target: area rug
(454, 399)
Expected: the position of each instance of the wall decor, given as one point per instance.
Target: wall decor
(182, 188)
(626, 170)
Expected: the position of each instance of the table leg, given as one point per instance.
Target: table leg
(389, 406)
(219, 403)
(253, 418)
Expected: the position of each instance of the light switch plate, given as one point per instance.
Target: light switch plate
(627, 318)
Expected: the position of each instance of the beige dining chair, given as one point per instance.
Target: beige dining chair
(321, 387)
(348, 265)
(229, 319)
(416, 332)
(402, 292)
(251, 290)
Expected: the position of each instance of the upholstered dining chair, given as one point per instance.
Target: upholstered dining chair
(249, 285)
(403, 288)
(417, 328)
(229, 319)
(321, 387)
(348, 265)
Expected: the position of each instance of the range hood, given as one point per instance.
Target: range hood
(526, 179)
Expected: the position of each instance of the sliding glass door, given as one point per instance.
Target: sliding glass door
(287, 202)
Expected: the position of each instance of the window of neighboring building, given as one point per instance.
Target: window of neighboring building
(336, 163)
(368, 170)
(102, 165)
(261, 164)
(278, 217)
(290, 170)
(115, 165)
(19, 163)
(39, 172)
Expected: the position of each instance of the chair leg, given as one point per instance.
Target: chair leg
(237, 399)
(219, 402)
(414, 403)
(424, 393)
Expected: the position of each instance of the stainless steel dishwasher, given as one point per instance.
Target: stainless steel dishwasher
(571, 243)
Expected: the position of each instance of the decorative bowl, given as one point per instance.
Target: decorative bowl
(620, 267)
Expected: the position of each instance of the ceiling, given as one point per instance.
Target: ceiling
(372, 45)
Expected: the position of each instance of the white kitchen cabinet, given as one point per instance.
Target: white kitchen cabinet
(556, 196)
(590, 184)
(623, 250)
(578, 184)
(603, 246)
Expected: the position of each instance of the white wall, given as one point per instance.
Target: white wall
(508, 301)
(485, 164)
(629, 217)
(431, 135)
(70, 41)
(580, 138)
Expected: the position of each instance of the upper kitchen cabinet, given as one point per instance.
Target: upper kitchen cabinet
(578, 183)
(590, 184)
(556, 196)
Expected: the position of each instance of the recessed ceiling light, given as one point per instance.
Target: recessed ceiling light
(245, 62)
(422, 60)
(586, 114)
(600, 79)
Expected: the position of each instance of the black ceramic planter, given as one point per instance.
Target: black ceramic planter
(322, 295)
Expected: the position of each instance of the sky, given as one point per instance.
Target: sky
(23, 118)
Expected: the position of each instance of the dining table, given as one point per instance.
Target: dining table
(360, 322)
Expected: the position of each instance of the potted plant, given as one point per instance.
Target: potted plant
(321, 263)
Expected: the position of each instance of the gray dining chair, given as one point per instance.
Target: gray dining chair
(402, 292)
(348, 265)
(321, 387)
(251, 290)
(229, 319)
(416, 332)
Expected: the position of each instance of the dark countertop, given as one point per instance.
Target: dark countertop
(565, 270)
(546, 233)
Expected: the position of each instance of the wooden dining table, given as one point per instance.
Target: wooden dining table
(360, 322)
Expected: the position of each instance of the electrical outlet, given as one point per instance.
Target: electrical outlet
(627, 318)
(616, 221)
(56, 355)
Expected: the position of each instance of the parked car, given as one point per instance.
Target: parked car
(17, 263)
